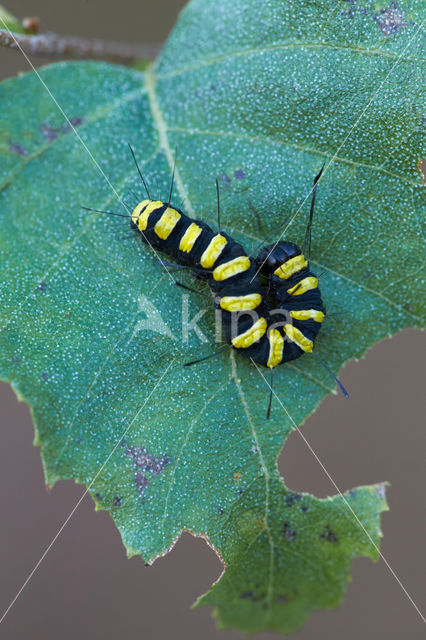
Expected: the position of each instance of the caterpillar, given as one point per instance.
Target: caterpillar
(235, 279)
(270, 305)
(268, 337)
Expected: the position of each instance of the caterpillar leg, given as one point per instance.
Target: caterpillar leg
(211, 355)
(171, 266)
(184, 286)
(268, 413)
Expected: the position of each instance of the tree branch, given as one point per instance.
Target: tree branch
(51, 44)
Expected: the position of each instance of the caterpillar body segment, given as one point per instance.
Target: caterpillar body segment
(293, 289)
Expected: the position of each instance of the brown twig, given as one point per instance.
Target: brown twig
(71, 47)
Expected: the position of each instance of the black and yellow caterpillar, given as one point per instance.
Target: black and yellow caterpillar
(271, 306)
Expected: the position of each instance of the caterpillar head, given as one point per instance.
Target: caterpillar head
(271, 257)
(136, 213)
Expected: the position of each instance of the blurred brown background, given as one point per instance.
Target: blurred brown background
(86, 587)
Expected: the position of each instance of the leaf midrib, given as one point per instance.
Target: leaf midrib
(164, 142)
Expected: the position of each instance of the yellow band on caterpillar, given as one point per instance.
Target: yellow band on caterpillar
(308, 314)
(298, 338)
(241, 303)
(231, 268)
(137, 210)
(290, 267)
(276, 347)
(143, 210)
(167, 223)
(189, 237)
(213, 251)
(303, 286)
(252, 335)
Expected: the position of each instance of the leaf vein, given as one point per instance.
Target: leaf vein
(184, 443)
(90, 387)
(280, 47)
(96, 116)
(63, 251)
(159, 120)
(234, 376)
(293, 145)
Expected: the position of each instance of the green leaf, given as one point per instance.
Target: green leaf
(12, 23)
(259, 94)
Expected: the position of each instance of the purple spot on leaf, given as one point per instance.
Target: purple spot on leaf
(17, 148)
(225, 181)
(144, 462)
(391, 19)
(289, 533)
(329, 535)
(75, 122)
(49, 133)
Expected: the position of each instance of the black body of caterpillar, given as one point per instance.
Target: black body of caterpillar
(270, 326)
